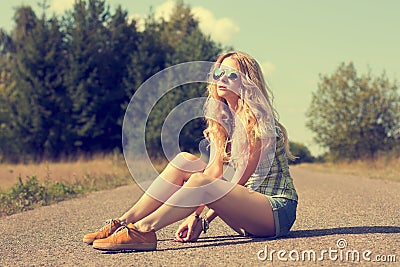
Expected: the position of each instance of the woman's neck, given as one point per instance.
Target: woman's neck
(232, 104)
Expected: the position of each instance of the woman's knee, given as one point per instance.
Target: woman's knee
(187, 156)
(187, 162)
(199, 179)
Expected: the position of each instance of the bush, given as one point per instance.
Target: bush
(301, 152)
(59, 191)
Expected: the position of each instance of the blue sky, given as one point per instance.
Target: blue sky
(294, 41)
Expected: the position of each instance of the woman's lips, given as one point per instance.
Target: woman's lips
(222, 87)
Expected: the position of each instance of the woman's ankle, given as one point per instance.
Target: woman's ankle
(143, 227)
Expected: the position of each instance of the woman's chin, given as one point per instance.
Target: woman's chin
(225, 93)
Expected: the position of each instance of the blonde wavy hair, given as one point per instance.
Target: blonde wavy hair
(255, 112)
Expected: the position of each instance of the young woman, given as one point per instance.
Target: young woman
(242, 128)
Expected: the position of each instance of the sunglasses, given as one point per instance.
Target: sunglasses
(231, 74)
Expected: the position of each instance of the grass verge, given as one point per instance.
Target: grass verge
(47, 183)
(31, 193)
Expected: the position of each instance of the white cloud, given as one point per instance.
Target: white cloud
(267, 68)
(59, 6)
(164, 10)
(221, 30)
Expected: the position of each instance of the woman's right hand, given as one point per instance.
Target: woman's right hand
(189, 230)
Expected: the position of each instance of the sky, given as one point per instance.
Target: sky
(294, 41)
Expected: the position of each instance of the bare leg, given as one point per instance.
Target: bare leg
(232, 207)
(174, 175)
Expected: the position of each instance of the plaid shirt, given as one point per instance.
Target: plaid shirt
(274, 181)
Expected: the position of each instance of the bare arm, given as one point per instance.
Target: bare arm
(191, 228)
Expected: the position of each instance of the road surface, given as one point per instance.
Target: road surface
(341, 219)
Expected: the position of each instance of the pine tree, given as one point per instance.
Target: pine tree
(7, 147)
(36, 112)
(123, 39)
(86, 37)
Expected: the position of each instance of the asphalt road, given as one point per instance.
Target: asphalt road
(341, 219)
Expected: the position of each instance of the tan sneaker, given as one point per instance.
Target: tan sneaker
(108, 229)
(128, 238)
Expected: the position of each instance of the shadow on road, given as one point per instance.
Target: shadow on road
(217, 241)
(214, 241)
(344, 230)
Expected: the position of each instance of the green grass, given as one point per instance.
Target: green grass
(30, 193)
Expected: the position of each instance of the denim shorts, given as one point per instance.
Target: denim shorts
(284, 211)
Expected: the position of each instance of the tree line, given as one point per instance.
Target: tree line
(66, 81)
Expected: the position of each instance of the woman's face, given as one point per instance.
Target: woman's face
(228, 83)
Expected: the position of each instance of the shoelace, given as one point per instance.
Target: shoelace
(121, 228)
(108, 223)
